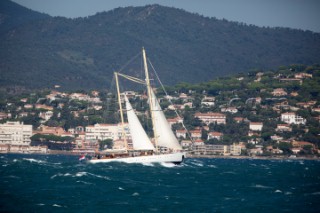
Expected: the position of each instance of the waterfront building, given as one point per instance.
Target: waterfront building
(106, 131)
(15, 133)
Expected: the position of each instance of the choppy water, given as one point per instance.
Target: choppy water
(51, 183)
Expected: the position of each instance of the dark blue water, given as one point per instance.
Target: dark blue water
(51, 183)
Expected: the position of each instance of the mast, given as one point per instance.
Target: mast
(150, 97)
(121, 113)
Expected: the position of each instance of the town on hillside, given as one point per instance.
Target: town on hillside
(270, 114)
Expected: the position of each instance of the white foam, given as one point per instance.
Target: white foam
(168, 165)
(135, 194)
(56, 205)
(148, 164)
(87, 183)
(120, 188)
(278, 191)
(80, 174)
(34, 160)
(261, 186)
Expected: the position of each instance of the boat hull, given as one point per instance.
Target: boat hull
(175, 158)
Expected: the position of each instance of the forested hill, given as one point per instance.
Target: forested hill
(84, 52)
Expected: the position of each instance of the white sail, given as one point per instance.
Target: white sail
(163, 132)
(140, 139)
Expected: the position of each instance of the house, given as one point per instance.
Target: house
(301, 144)
(290, 80)
(198, 142)
(4, 115)
(283, 128)
(186, 143)
(239, 119)
(302, 75)
(46, 115)
(208, 101)
(232, 110)
(195, 134)
(306, 104)
(316, 109)
(276, 138)
(28, 106)
(216, 135)
(181, 133)
(256, 126)
(47, 130)
(175, 120)
(211, 117)
(42, 106)
(274, 151)
(279, 92)
(292, 118)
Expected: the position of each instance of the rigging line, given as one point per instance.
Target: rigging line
(126, 64)
(175, 110)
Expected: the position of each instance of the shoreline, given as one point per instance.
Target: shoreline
(57, 152)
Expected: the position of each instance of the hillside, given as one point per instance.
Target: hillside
(83, 53)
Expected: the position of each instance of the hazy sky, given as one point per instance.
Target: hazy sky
(300, 14)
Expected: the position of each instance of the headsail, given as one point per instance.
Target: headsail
(140, 140)
(164, 134)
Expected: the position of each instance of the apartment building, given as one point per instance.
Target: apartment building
(15, 133)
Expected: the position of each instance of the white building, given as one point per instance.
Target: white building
(208, 101)
(105, 131)
(15, 133)
(255, 126)
(210, 117)
(292, 118)
(46, 115)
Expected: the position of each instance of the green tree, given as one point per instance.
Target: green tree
(106, 144)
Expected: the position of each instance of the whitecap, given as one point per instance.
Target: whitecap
(212, 166)
(99, 176)
(120, 188)
(67, 174)
(197, 164)
(33, 160)
(278, 191)
(135, 194)
(87, 183)
(168, 165)
(261, 186)
(40, 204)
(56, 205)
(80, 174)
(148, 164)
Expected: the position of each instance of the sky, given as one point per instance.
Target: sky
(298, 14)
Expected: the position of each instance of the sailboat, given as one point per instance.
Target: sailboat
(165, 149)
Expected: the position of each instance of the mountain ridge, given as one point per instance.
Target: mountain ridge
(84, 52)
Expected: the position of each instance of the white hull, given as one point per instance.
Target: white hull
(176, 158)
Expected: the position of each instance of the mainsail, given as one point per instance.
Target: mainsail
(163, 132)
(140, 140)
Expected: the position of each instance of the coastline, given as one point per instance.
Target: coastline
(283, 157)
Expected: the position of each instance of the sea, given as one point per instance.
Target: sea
(60, 183)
